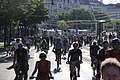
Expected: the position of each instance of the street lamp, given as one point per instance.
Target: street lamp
(100, 29)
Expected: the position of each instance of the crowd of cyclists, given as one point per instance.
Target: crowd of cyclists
(61, 46)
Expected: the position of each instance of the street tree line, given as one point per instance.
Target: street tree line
(19, 16)
(83, 15)
(80, 14)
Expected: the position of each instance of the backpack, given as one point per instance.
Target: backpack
(58, 44)
(44, 46)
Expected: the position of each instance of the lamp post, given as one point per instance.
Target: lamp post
(100, 29)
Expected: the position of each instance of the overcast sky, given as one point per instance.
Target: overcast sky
(110, 1)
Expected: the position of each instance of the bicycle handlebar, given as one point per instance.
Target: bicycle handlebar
(32, 77)
(68, 62)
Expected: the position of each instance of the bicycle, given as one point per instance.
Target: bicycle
(95, 68)
(20, 73)
(58, 57)
(73, 68)
(58, 60)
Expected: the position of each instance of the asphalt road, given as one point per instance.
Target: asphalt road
(63, 74)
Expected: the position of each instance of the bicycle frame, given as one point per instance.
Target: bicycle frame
(20, 74)
(58, 61)
(58, 57)
(94, 67)
(32, 77)
(73, 71)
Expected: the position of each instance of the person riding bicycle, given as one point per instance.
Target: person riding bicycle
(65, 46)
(94, 58)
(44, 46)
(94, 52)
(75, 55)
(20, 61)
(58, 49)
(43, 67)
(101, 56)
(115, 51)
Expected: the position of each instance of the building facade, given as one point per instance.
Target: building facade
(66, 5)
(113, 10)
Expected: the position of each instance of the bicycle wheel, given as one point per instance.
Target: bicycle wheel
(20, 76)
(74, 75)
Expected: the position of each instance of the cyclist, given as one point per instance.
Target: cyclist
(44, 46)
(15, 46)
(16, 43)
(65, 46)
(43, 66)
(58, 49)
(75, 55)
(21, 61)
(94, 52)
(94, 58)
(115, 51)
(28, 42)
(101, 56)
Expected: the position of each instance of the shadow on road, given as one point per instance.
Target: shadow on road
(6, 59)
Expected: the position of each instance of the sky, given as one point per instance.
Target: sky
(110, 1)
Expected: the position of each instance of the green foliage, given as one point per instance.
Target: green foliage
(25, 11)
(1, 47)
(17, 17)
(99, 15)
(76, 14)
(63, 25)
(80, 14)
(115, 23)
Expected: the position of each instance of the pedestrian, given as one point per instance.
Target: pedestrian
(43, 67)
(110, 69)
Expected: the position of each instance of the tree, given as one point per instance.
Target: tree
(100, 15)
(63, 25)
(16, 13)
(76, 14)
(80, 14)
(114, 24)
